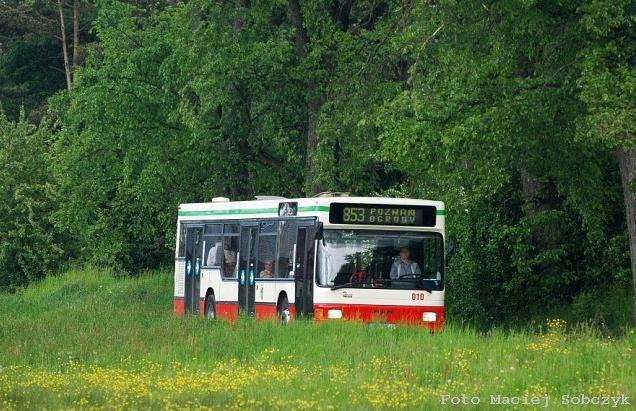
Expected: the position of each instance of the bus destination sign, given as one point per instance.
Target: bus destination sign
(385, 214)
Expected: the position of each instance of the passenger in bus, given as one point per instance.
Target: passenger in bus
(404, 266)
(229, 257)
(267, 272)
(362, 277)
(357, 277)
(215, 254)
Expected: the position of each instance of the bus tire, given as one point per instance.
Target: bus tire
(210, 307)
(284, 315)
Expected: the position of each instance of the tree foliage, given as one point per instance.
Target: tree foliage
(30, 244)
(161, 124)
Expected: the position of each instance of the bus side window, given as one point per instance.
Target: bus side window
(231, 228)
(231, 235)
(230, 249)
(182, 240)
(285, 252)
(213, 229)
(267, 250)
(213, 251)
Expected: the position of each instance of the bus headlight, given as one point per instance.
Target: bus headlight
(334, 314)
(429, 317)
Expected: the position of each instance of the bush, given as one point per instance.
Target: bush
(30, 245)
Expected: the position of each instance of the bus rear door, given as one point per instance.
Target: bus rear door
(304, 269)
(194, 251)
(247, 269)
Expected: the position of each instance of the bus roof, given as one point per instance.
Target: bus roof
(304, 202)
(301, 207)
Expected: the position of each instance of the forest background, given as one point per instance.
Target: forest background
(519, 114)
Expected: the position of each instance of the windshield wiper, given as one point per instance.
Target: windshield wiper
(345, 285)
(427, 289)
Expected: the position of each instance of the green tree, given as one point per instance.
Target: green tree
(31, 67)
(30, 245)
(487, 121)
(608, 88)
(170, 108)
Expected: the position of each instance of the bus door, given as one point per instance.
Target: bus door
(247, 269)
(193, 262)
(304, 268)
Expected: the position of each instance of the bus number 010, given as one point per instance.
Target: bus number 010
(417, 296)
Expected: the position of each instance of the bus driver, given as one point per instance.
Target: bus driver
(404, 266)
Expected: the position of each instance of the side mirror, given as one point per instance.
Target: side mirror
(452, 250)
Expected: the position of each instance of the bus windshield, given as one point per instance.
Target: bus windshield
(380, 259)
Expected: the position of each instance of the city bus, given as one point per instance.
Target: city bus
(328, 258)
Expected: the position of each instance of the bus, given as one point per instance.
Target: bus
(329, 257)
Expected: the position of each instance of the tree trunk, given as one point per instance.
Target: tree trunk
(539, 196)
(531, 189)
(301, 40)
(300, 35)
(241, 187)
(627, 165)
(237, 19)
(67, 65)
(76, 38)
(312, 184)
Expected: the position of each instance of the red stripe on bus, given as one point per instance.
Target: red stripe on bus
(229, 311)
(392, 314)
(179, 307)
(265, 311)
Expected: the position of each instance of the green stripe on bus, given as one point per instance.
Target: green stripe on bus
(314, 208)
(260, 211)
(229, 212)
(247, 211)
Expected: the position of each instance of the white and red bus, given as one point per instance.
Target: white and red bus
(328, 257)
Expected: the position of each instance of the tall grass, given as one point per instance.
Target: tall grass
(89, 340)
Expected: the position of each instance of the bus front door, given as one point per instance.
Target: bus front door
(193, 263)
(304, 270)
(247, 270)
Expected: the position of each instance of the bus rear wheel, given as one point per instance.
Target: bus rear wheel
(210, 307)
(284, 315)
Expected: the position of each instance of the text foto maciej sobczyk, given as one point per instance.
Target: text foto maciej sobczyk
(544, 401)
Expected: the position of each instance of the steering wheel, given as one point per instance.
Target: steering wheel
(408, 276)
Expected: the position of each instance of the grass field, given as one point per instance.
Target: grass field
(87, 340)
